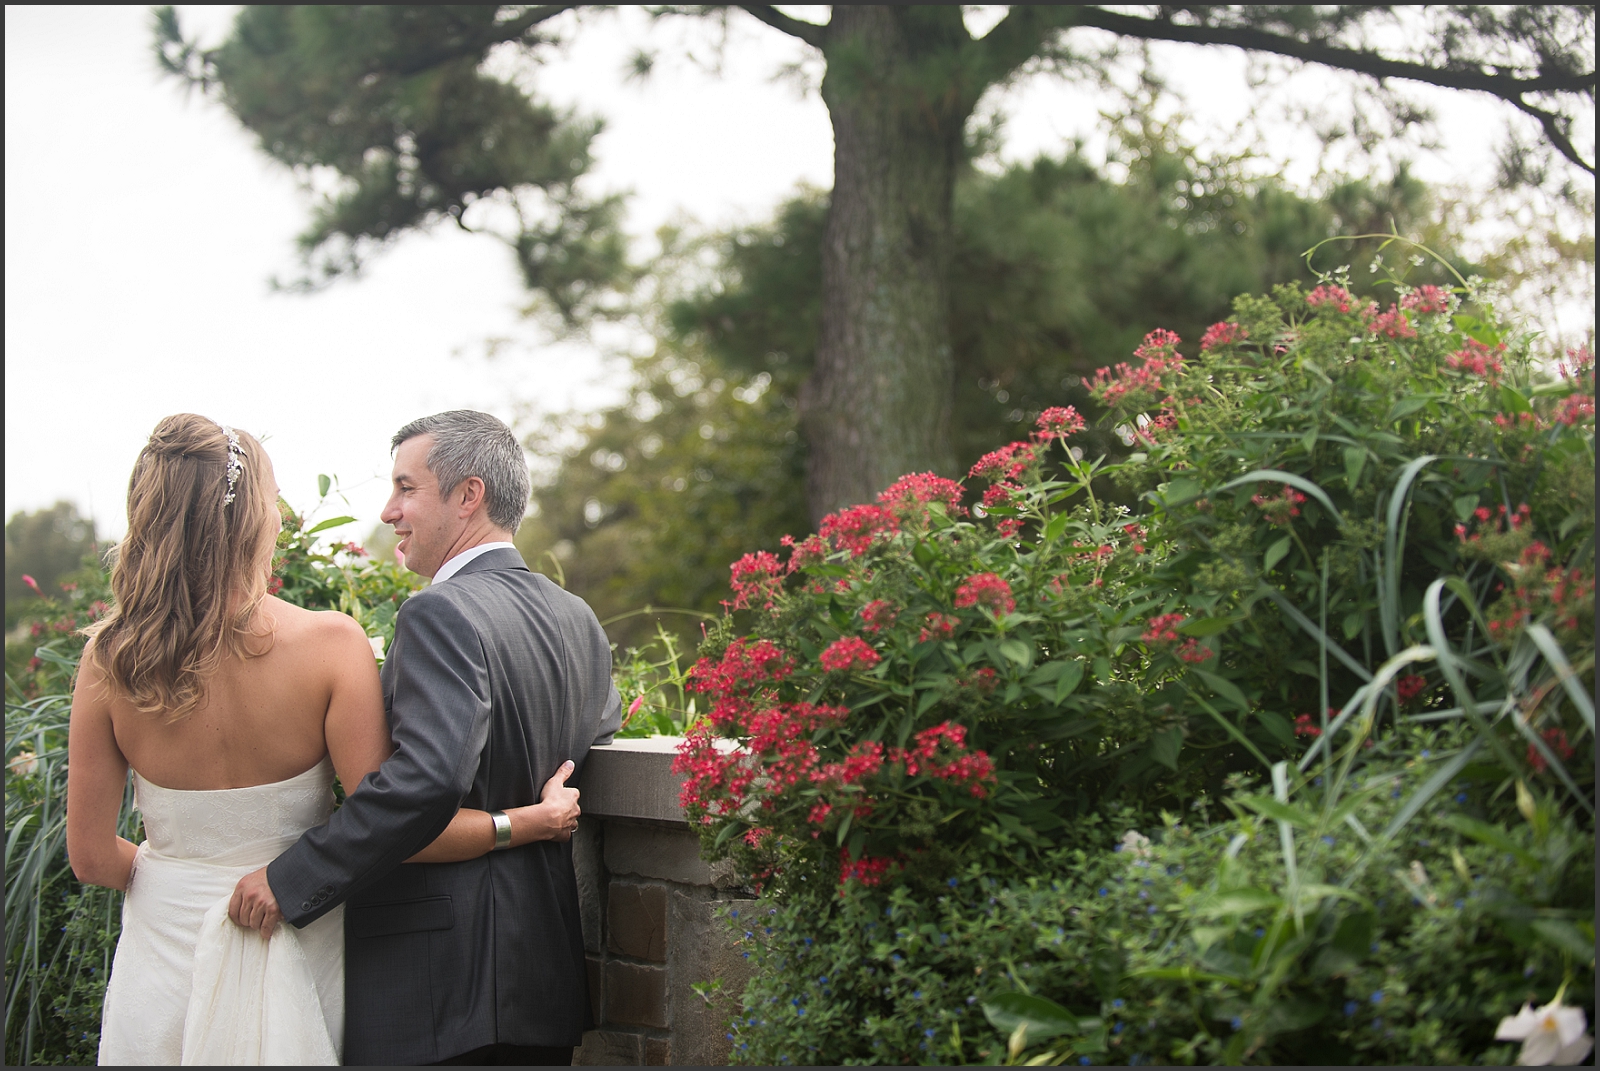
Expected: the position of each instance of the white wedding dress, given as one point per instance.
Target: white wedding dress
(188, 986)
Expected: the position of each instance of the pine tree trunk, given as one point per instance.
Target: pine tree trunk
(878, 402)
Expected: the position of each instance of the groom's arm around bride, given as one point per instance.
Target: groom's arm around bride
(495, 678)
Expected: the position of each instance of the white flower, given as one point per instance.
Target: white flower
(1553, 1034)
(24, 764)
(377, 647)
(1137, 843)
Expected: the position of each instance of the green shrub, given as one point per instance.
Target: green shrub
(1391, 509)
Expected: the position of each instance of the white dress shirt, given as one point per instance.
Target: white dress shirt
(453, 566)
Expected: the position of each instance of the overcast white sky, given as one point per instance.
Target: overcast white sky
(142, 227)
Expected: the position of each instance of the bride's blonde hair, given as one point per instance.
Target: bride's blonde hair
(200, 533)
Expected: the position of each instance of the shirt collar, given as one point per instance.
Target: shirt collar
(454, 565)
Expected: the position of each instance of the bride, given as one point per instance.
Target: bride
(234, 709)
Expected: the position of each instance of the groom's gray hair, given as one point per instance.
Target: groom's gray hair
(469, 443)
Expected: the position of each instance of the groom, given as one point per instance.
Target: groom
(496, 676)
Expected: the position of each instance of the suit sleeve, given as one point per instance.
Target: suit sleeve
(440, 723)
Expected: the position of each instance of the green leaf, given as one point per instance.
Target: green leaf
(1102, 668)
(1352, 624)
(1206, 626)
(323, 483)
(1057, 525)
(331, 522)
(1492, 835)
(1224, 688)
(1164, 747)
(1464, 505)
(1565, 936)
(1406, 406)
(929, 698)
(1283, 812)
(1275, 553)
(1071, 674)
(1354, 934)
(1017, 651)
(1279, 476)
(1242, 901)
(1355, 459)
(1277, 726)
(1513, 400)
(1182, 490)
(1043, 1018)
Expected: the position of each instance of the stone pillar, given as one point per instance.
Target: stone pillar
(648, 927)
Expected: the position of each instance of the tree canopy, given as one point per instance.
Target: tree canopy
(394, 104)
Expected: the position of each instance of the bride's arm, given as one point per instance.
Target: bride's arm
(358, 742)
(97, 772)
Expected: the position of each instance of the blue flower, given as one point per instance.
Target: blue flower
(1260, 932)
(928, 1033)
(822, 979)
(1117, 1003)
(1377, 996)
(1236, 1022)
(730, 1037)
(808, 942)
(1328, 840)
(1102, 890)
(1350, 1007)
(1460, 904)
(734, 913)
(916, 994)
(952, 883)
(1116, 1028)
(1317, 780)
(1426, 752)
(1461, 797)
(1143, 895)
(1151, 910)
(973, 999)
(1083, 1061)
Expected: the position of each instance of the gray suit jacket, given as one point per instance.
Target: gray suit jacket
(494, 678)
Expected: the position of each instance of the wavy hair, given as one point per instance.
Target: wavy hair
(187, 556)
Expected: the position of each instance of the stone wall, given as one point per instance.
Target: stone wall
(648, 926)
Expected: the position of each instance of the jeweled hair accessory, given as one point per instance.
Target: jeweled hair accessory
(235, 462)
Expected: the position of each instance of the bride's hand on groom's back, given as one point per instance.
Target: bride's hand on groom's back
(555, 816)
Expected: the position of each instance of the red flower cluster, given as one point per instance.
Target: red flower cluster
(1160, 359)
(909, 495)
(984, 680)
(1193, 653)
(1335, 296)
(1137, 533)
(1477, 359)
(864, 760)
(1392, 323)
(1162, 628)
(855, 528)
(1225, 333)
(1279, 509)
(809, 551)
(1006, 463)
(999, 494)
(274, 585)
(867, 870)
(847, 653)
(1060, 421)
(1501, 518)
(941, 752)
(1428, 298)
(939, 627)
(1304, 726)
(1575, 409)
(755, 578)
(1410, 686)
(1556, 738)
(878, 614)
(987, 590)
(744, 665)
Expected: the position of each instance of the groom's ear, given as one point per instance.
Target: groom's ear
(470, 495)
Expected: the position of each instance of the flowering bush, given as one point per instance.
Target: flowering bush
(1345, 528)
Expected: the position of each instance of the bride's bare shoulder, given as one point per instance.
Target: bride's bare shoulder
(297, 626)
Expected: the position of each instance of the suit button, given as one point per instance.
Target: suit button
(306, 906)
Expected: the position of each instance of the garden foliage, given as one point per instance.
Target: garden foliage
(1354, 610)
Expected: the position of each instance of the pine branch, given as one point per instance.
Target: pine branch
(809, 32)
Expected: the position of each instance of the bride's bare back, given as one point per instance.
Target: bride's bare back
(313, 690)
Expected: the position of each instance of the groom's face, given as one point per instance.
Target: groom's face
(424, 521)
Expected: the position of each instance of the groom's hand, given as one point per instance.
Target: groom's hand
(253, 904)
(558, 808)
